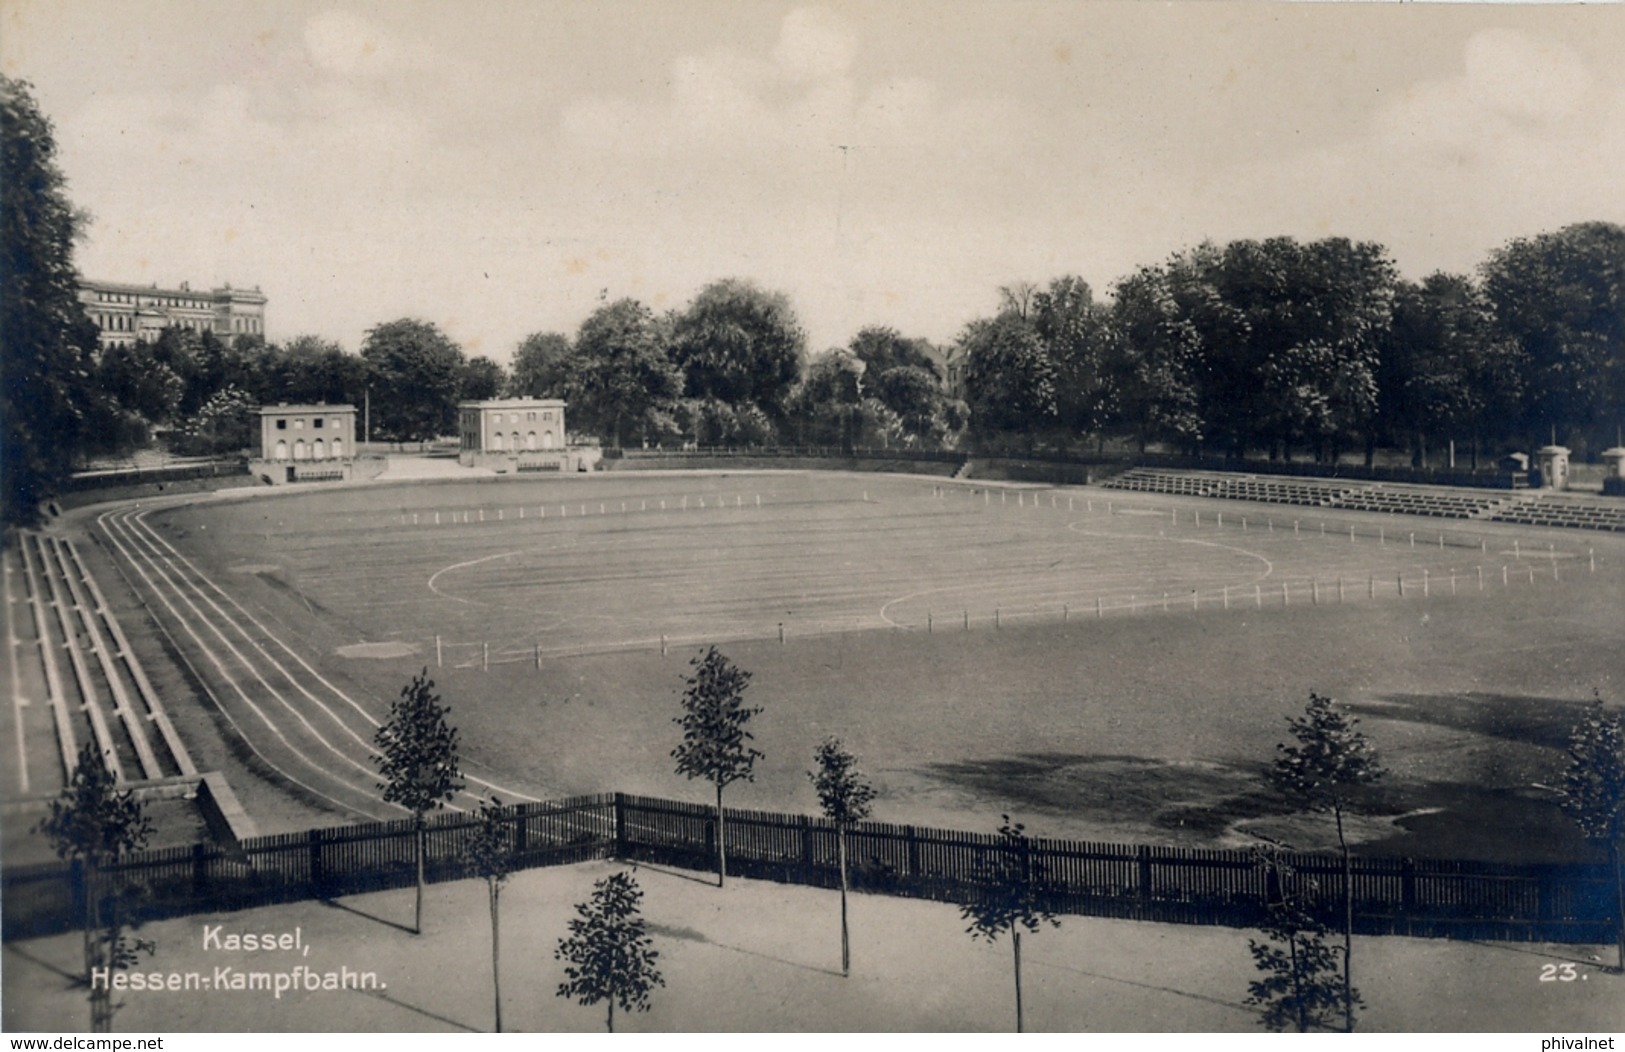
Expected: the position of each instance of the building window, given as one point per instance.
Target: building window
(282, 425)
(530, 415)
(318, 422)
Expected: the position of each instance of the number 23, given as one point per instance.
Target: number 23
(1552, 973)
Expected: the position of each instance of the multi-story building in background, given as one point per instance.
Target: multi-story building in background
(131, 314)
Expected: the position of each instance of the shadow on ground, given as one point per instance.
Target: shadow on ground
(1541, 722)
(1460, 796)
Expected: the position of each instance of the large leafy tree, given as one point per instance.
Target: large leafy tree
(1296, 337)
(1445, 371)
(1009, 377)
(608, 955)
(1594, 794)
(1081, 340)
(47, 343)
(415, 372)
(1560, 297)
(716, 746)
(1326, 769)
(740, 344)
(881, 347)
(418, 764)
(542, 367)
(1157, 368)
(311, 369)
(481, 378)
(1009, 897)
(489, 855)
(825, 404)
(93, 824)
(846, 798)
(622, 373)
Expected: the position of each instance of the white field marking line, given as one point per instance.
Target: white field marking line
(14, 655)
(179, 593)
(67, 739)
(463, 566)
(242, 735)
(149, 696)
(92, 706)
(1268, 568)
(128, 716)
(140, 519)
(254, 671)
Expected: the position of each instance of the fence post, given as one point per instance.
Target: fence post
(620, 825)
(806, 845)
(79, 894)
(1407, 887)
(318, 873)
(913, 852)
(1142, 857)
(521, 829)
(200, 871)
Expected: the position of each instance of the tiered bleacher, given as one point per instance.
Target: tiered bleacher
(1434, 503)
(1283, 491)
(1569, 515)
(1147, 480)
(1378, 497)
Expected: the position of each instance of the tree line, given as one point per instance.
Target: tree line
(1278, 347)
(1274, 347)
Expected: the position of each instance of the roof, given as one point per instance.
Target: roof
(285, 410)
(514, 403)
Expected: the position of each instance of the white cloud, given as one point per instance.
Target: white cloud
(1524, 77)
(344, 43)
(814, 44)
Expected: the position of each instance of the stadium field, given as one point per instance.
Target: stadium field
(1101, 667)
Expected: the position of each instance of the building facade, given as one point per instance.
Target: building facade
(516, 434)
(132, 314)
(306, 443)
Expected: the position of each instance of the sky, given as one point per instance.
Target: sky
(503, 167)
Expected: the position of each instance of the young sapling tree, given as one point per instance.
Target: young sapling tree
(1009, 897)
(489, 855)
(846, 799)
(608, 955)
(1331, 762)
(92, 824)
(417, 760)
(716, 745)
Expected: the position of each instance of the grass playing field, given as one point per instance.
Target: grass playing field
(1115, 674)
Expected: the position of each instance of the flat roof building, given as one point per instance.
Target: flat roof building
(132, 314)
(511, 425)
(300, 433)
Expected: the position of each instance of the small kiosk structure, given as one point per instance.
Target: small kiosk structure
(306, 443)
(511, 435)
(1613, 479)
(1554, 467)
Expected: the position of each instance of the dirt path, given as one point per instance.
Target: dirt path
(762, 956)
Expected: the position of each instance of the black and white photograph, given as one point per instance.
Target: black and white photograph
(667, 516)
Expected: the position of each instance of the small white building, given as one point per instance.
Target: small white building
(516, 434)
(306, 443)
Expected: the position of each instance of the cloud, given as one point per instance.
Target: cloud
(1523, 77)
(344, 43)
(814, 44)
(1524, 138)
